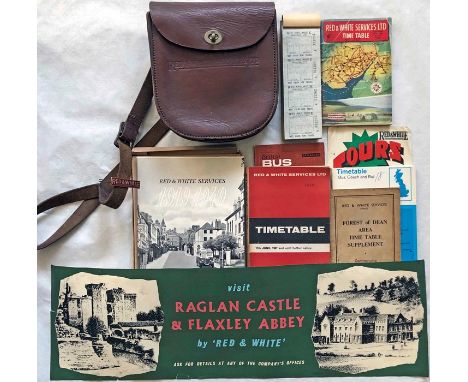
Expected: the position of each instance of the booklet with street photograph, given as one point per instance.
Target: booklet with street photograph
(189, 210)
(365, 225)
(324, 320)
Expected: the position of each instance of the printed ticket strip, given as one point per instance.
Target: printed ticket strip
(301, 76)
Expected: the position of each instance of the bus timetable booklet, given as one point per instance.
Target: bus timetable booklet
(288, 215)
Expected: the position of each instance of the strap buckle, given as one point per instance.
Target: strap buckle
(121, 137)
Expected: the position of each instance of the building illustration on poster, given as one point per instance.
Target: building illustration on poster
(367, 319)
(108, 326)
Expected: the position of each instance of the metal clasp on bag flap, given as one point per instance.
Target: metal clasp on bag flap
(213, 37)
(120, 137)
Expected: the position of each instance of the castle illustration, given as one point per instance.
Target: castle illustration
(109, 305)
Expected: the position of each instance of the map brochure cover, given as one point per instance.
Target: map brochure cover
(356, 72)
(189, 211)
(365, 225)
(325, 320)
(295, 154)
(368, 146)
(288, 215)
(403, 177)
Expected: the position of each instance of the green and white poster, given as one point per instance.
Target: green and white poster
(293, 321)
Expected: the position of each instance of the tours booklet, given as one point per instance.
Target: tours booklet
(356, 72)
(403, 177)
(365, 225)
(368, 146)
(288, 215)
(327, 320)
(189, 209)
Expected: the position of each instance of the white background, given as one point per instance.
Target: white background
(92, 59)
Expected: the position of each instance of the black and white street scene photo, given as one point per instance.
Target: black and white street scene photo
(367, 319)
(108, 325)
(189, 217)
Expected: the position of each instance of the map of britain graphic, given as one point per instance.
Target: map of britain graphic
(404, 192)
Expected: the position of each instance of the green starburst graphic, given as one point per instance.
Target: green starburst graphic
(356, 140)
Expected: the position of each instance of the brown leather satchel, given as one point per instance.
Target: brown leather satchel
(214, 67)
(214, 76)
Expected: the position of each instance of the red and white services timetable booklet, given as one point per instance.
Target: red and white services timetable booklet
(288, 215)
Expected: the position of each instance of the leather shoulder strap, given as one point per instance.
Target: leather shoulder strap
(104, 192)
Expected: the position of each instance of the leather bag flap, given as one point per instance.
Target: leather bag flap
(186, 24)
